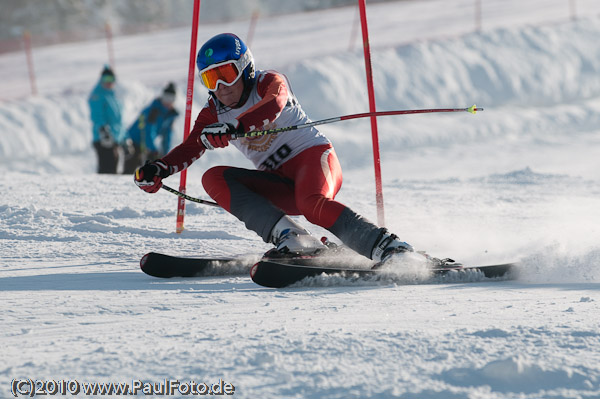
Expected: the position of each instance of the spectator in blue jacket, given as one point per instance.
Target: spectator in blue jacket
(151, 132)
(106, 120)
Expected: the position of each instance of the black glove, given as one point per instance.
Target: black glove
(149, 177)
(217, 135)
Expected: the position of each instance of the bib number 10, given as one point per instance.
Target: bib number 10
(275, 159)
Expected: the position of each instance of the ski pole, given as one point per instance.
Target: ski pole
(187, 197)
(472, 109)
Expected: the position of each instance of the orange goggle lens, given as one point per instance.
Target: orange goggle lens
(227, 73)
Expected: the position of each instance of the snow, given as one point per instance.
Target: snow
(518, 181)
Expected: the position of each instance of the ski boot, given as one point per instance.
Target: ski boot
(390, 248)
(387, 246)
(292, 240)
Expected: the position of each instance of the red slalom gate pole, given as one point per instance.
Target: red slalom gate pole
(573, 10)
(372, 108)
(29, 56)
(188, 112)
(478, 14)
(252, 28)
(354, 30)
(109, 45)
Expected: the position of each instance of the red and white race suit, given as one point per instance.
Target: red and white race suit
(297, 172)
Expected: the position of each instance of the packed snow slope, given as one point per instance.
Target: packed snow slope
(518, 181)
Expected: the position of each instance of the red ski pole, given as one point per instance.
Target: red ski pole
(472, 109)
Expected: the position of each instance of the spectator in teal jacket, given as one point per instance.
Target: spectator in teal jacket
(150, 134)
(107, 130)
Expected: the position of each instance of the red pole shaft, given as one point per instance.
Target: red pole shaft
(354, 30)
(29, 56)
(188, 111)
(109, 45)
(372, 108)
(473, 109)
(252, 28)
(406, 112)
(478, 15)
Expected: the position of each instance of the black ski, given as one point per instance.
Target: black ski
(284, 271)
(165, 266)
(279, 274)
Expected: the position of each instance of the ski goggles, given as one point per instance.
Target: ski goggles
(108, 79)
(226, 73)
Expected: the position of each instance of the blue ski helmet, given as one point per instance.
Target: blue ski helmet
(223, 59)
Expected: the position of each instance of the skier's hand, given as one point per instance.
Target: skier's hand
(128, 149)
(106, 137)
(149, 177)
(217, 135)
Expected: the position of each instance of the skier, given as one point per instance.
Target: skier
(150, 134)
(297, 172)
(105, 109)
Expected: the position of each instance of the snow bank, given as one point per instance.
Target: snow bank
(503, 67)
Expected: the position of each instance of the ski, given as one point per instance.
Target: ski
(166, 266)
(279, 274)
